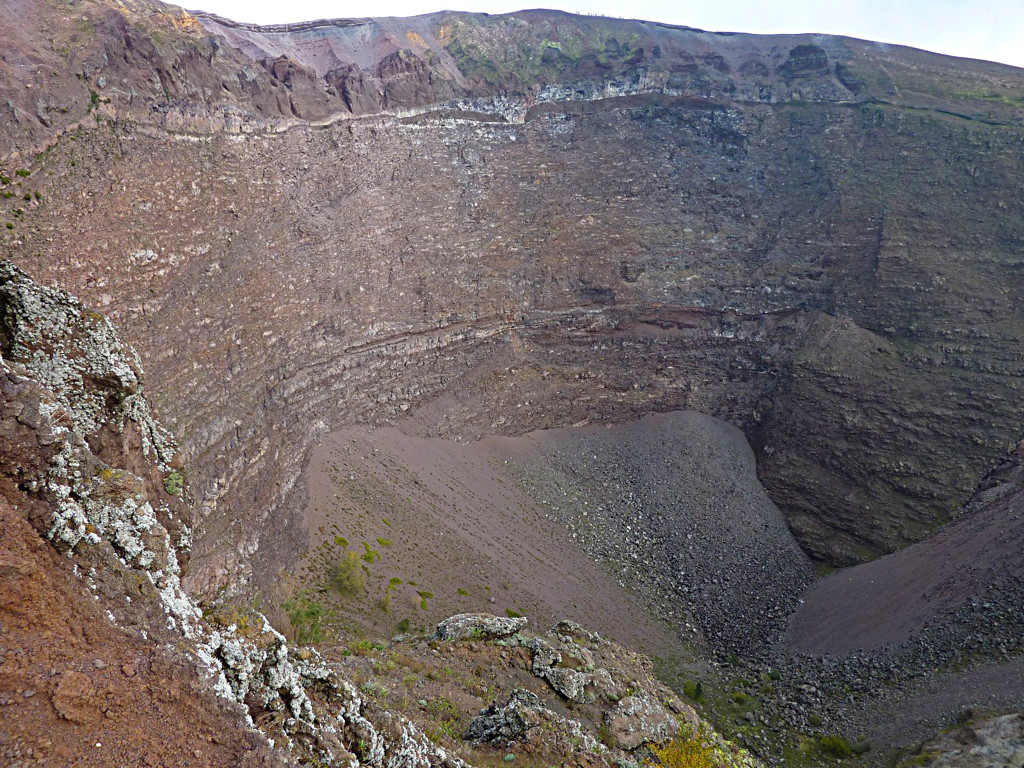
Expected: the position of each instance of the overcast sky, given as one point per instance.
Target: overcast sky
(979, 29)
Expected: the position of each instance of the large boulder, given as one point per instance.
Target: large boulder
(499, 725)
(640, 719)
(525, 718)
(477, 626)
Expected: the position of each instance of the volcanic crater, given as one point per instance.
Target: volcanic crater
(707, 344)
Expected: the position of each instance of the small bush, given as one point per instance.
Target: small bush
(403, 625)
(513, 614)
(683, 753)
(306, 617)
(835, 747)
(370, 554)
(174, 483)
(694, 690)
(384, 542)
(348, 577)
(462, 592)
(604, 735)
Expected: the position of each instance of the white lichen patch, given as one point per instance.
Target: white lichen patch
(76, 354)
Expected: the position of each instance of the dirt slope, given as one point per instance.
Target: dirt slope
(669, 505)
(890, 600)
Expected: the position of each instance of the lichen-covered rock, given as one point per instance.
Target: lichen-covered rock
(545, 656)
(981, 742)
(569, 683)
(76, 354)
(570, 630)
(498, 725)
(477, 626)
(640, 719)
(524, 713)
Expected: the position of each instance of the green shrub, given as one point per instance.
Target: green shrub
(348, 577)
(833, 746)
(174, 483)
(306, 617)
(513, 614)
(694, 690)
(403, 625)
(683, 752)
(384, 542)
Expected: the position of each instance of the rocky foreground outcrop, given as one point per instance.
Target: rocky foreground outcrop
(977, 742)
(76, 429)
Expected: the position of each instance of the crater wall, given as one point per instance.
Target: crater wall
(831, 268)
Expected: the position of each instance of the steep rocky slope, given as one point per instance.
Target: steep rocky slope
(107, 661)
(814, 238)
(463, 225)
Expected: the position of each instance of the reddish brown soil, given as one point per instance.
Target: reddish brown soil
(76, 690)
(889, 600)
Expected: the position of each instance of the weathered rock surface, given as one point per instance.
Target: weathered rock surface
(636, 720)
(501, 726)
(478, 626)
(982, 742)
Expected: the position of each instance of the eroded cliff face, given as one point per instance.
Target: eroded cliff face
(542, 219)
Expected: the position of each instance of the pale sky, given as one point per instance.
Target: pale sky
(978, 29)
